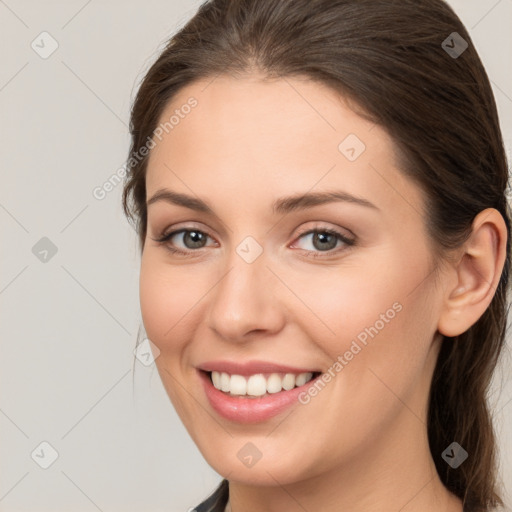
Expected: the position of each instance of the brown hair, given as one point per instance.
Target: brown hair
(387, 57)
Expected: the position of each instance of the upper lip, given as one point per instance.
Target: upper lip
(250, 367)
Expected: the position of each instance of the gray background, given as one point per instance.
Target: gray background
(69, 324)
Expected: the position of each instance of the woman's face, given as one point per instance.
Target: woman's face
(361, 306)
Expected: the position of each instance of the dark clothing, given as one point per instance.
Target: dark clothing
(217, 501)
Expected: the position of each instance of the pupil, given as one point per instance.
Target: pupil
(321, 237)
(196, 238)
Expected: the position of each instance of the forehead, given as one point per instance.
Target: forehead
(284, 115)
(257, 138)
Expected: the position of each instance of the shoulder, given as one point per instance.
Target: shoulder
(217, 501)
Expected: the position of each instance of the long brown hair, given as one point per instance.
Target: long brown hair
(392, 60)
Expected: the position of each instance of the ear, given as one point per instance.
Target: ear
(475, 274)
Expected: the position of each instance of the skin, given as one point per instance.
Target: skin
(361, 443)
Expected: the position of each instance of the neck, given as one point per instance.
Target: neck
(398, 474)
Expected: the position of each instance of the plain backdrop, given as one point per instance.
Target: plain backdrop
(69, 262)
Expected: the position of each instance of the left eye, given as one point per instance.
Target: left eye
(324, 240)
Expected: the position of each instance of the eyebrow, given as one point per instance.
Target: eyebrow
(280, 206)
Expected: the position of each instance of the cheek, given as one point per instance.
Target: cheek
(154, 300)
(167, 297)
(369, 317)
(342, 303)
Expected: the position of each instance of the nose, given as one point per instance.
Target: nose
(245, 302)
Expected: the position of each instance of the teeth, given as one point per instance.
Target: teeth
(301, 379)
(258, 385)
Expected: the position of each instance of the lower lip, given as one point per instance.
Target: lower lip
(250, 410)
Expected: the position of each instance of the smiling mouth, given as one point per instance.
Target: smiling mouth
(260, 384)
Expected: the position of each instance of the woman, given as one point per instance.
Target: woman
(351, 376)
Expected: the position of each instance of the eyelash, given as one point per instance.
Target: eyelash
(163, 239)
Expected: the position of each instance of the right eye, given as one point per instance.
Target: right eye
(192, 239)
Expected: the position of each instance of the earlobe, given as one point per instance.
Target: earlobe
(476, 275)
